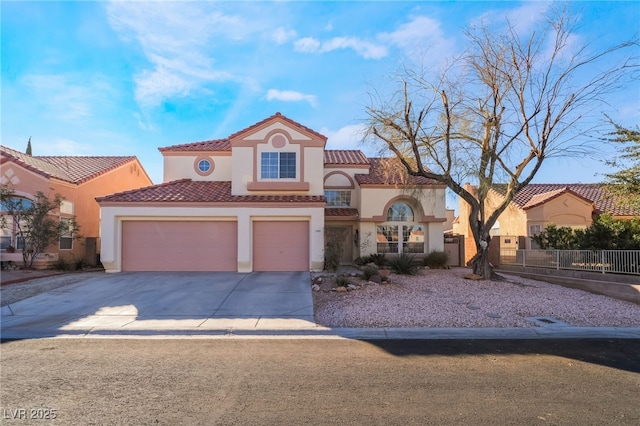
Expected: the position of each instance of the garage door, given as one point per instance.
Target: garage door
(179, 246)
(281, 246)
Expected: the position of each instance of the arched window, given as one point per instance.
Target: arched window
(400, 212)
(400, 233)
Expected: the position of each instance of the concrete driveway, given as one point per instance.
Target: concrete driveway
(161, 303)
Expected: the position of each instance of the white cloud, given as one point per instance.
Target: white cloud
(282, 35)
(68, 97)
(421, 37)
(291, 96)
(307, 45)
(177, 39)
(347, 137)
(363, 48)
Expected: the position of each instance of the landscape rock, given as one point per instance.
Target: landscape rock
(474, 277)
(341, 289)
(315, 287)
(352, 287)
(376, 279)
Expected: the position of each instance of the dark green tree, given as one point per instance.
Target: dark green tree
(28, 151)
(625, 183)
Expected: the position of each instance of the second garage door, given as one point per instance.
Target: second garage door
(281, 246)
(179, 246)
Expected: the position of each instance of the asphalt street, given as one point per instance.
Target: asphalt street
(325, 382)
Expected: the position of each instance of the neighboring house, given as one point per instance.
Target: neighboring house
(79, 180)
(265, 199)
(538, 205)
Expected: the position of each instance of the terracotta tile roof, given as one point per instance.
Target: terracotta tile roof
(536, 194)
(340, 212)
(188, 191)
(345, 157)
(389, 171)
(280, 116)
(75, 169)
(213, 145)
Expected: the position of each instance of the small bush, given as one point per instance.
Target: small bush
(436, 260)
(341, 281)
(361, 261)
(62, 264)
(379, 259)
(369, 271)
(332, 254)
(404, 264)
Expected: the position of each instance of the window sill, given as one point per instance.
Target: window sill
(278, 186)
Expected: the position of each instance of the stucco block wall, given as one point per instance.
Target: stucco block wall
(184, 167)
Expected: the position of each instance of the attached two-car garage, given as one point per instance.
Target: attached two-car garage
(212, 245)
(179, 246)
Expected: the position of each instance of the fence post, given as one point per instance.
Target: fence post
(602, 259)
(524, 255)
(557, 260)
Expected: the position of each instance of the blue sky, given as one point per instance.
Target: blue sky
(124, 78)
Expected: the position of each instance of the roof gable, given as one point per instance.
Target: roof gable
(75, 169)
(276, 118)
(595, 193)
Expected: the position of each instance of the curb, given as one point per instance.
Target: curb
(345, 333)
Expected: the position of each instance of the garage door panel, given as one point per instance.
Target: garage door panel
(179, 246)
(281, 246)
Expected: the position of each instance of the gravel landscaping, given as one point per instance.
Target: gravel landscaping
(443, 298)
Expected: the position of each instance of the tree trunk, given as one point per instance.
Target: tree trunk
(481, 265)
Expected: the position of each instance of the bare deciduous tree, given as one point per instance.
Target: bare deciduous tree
(500, 109)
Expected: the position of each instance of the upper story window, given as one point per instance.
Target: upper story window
(338, 198)
(400, 212)
(278, 165)
(204, 166)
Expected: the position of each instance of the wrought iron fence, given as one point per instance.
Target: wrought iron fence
(604, 261)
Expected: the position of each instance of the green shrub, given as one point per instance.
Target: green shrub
(379, 259)
(361, 261)
(62, 264)
(341, 281)
(332, 254)
(436, 260)
(369, 271)
(404, 263)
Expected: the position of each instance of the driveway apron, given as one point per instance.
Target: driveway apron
(168, 302)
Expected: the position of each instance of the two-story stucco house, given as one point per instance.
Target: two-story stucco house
(262, 200)
(79, 179)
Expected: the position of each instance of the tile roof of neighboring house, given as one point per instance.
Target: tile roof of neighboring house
(213, 145)
(536, 194)
(345, 157)
(75, 169)
(389, 171)
(340, 212)
(189, 191)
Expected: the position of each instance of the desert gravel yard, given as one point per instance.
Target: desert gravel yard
(443, 298)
